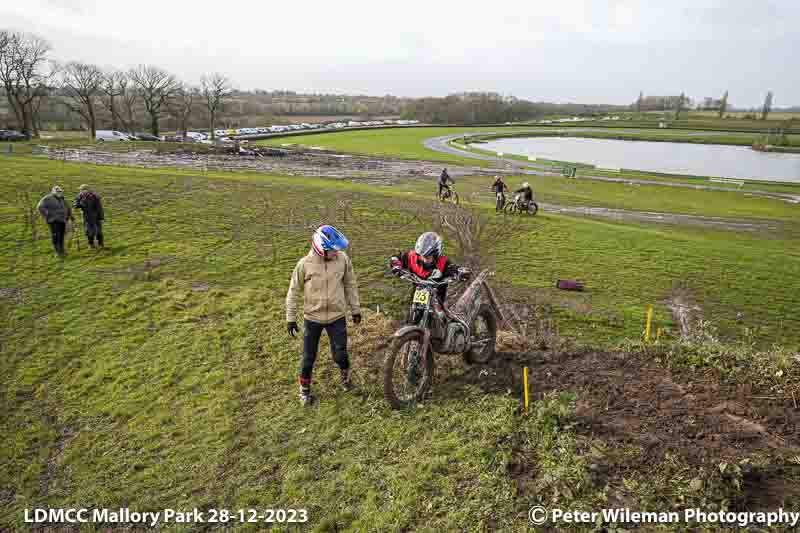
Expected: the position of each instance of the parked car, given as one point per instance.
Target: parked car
(12, 135)
(196, 135)
(141, 136)
(110, 135)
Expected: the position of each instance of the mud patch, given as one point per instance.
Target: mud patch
(199, 286)
(10, 293)
(54, 460)
(627, 400)
(643, 415)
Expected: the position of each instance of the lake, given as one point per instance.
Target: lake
(718, 160)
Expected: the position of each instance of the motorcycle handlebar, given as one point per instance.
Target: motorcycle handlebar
(410, 276)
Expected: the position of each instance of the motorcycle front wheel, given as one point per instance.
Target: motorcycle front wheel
(407, 373)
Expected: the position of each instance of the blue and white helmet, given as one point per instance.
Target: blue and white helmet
(328, 238)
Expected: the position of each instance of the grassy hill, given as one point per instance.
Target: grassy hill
(158, 374)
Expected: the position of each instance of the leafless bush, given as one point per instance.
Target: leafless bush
(686, 313)
(29, 214)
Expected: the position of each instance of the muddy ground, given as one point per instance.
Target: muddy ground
(376, 170)
(647, 417)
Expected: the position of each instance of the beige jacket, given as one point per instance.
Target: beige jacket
(328, 288)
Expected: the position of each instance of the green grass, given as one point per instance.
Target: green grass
(158, 374)
(403, 143)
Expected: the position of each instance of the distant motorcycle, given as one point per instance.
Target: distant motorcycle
(448, 195)
(469, 329)
(518, 205)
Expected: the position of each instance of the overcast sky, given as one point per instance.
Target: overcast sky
(586, 51)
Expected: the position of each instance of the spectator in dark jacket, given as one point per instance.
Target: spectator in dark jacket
(92, 207)
(499, 187)
(56, 213)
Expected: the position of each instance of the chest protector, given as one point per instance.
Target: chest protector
(416, 268)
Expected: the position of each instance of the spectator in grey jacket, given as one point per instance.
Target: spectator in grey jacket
(56, 212)
(91, 206)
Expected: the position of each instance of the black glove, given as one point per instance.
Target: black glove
(291, 328)
(356, 319)
(464, 273)
(396, 265)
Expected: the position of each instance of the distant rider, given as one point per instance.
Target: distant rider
(526, 192)
(499, 187)
(426, 260)
(444, 178)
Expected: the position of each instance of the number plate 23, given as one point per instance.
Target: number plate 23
(421, 297)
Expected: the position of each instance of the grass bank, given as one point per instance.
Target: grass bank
(157, 374)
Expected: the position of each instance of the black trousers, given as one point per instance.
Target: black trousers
(57, 231)
(94, 230)
(337, 333)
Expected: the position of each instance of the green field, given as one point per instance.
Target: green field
(158, 373)
(405, 143)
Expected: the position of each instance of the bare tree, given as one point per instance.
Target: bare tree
(767, 106)
(81, 84)
(216, 87)
(183, 104)
(639, 101)
(113, 87)
(679, 106)
(129, 97)
(23, 58)
(156, 88)
(723, 104)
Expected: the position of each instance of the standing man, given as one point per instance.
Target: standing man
(499, 187)
(329, 287)
(56, 212)
(89, 203)
(444, 178)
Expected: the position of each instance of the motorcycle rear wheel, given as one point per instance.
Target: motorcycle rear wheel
(484, 331)
(407, 374)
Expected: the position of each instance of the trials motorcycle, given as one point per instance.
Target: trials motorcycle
(469, 329)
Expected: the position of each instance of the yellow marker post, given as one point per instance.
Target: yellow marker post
(649, 321)
(525, 379)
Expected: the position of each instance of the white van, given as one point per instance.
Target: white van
(110, 135)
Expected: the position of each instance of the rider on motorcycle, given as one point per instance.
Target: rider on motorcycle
(527, 193)
(444, 178)
(426, 260)
(499, 187)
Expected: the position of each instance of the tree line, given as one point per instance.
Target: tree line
(29, 77)
(682, 102)
(38, 92)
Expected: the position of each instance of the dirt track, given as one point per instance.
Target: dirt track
(373, 170)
